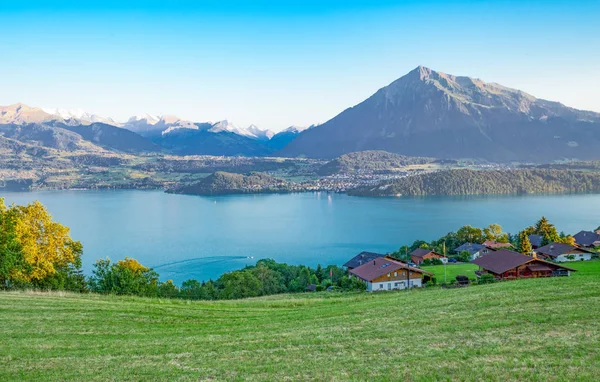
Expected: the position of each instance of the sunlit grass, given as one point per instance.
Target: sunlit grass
(535, 329)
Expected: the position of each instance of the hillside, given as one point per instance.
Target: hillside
(370, 162)
(221, 183)
(433, 114)
(470, 182)
(536, 329)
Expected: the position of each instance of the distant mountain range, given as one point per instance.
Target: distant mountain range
(145, 133)
(423, 114)
(432, 114)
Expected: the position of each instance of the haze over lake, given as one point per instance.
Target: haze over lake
(185, 237)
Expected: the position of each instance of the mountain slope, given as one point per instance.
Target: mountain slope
(426, 113)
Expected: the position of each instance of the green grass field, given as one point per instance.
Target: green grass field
(452, 270)
(535, 329)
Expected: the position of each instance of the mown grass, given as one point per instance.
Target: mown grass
(452, 270)
(536, 329)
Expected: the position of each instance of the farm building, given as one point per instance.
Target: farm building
(561, 253)
(421, 254)
(536, 240)
(496, 245)
(476, 250)
(587, 239)
(362, 258)
(386, 273)
(505, 264)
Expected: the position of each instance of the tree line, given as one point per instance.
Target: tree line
(37, 252)
(519, 242)
(487, 182)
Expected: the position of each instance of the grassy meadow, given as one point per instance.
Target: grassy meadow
(535, 329)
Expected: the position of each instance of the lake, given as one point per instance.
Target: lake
(185, 237)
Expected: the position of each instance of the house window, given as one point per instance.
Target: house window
(389, 286)
(395, 274)
(388, 275)
(380, 286)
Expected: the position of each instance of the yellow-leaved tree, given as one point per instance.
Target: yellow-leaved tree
(46, 246)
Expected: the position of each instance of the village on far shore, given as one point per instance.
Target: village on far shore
(496, 260)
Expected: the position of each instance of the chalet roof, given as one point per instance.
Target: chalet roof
(382, 266)
(536, 240)
(494, 244)
(586, 238)
(503, 260)
(472, 248)
(422, 252)
(557, 249)
(362, 258)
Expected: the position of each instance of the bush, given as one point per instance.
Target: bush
(487, 278)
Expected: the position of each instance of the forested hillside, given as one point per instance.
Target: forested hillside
(370, 161)
(470, 182)
(228, 183)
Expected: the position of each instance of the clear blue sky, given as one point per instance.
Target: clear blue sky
(278, 63)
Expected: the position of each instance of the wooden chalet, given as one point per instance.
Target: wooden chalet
(386, 273)
(504, 264)
(421, 254)
(362, 258)
(560, 252)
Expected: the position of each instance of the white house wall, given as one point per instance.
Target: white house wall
(576, 257)
(394, 285)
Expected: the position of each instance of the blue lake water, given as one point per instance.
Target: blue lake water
(185, 237)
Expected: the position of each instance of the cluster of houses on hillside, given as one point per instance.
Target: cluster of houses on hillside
(383, 272)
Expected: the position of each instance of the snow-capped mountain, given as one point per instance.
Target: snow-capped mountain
(80, 116)
(259, 133)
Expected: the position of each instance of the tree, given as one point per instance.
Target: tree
(494, 233)
(37, 251)
(547, 231)
(11, 258)
(45, 244)
(468, 234)
(524, 243)
(124, 277)
(568, 239)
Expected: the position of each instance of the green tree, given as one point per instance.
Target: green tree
(494, 233)
(524, 243)
(124, 277)
(547, 231)
(468, 234)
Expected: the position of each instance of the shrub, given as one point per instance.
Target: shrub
(486, 278)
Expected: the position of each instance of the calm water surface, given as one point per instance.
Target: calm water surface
(186, 237)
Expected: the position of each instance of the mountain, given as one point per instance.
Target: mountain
(284, 137)
(114, 138)
(429, 113)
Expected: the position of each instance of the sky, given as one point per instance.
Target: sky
(281, 63)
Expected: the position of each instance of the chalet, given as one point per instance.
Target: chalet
(476, 250)
(587, 239)
(386, 273)
(505, 264)
(362, 258)
(496, 245)
(421, 254)
(561, 253)
(536, 240)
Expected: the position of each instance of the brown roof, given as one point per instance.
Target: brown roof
(381, 266)
(557, 249)
(422, 252)
(503, 260)
(495, 244)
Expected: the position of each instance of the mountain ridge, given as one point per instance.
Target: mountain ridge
(429, 113)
